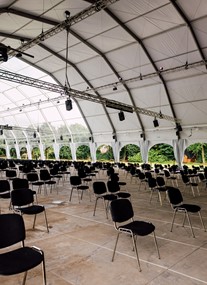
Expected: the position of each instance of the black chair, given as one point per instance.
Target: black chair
(123, 217)
(188, 183)
(33, 179)
(76, 183)
(171, 178)
(21, 259)
(46, 178)
(22, 201)
(114, 188)
(176, 200)
(5, 191)
(11, 174)
(100, 192)
(22, 183)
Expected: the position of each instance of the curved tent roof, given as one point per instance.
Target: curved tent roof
(146, 54)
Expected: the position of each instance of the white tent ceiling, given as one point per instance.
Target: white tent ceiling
(157, 47)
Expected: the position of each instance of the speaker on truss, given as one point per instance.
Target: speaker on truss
(121, 116)
(68, 104)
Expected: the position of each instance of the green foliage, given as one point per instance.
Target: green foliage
(65, 152)
(36, 153)
(197, 151)
(49, 153)
(13, 153)
(2, 152)
(130, 153)
(135, 158)
(161, 153)
(104, 153)
(83, 152)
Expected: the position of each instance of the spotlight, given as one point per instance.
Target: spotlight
(179, 128)
(61, 138)
(3, 54)
(1, 132)
(68, 104)
(156, 123)
(121, 116)
(114, 88)
(67, 14)
(140, 76)
(34, 135)
(186, 65)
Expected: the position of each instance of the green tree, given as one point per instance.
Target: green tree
(65, 152)
(83, 152)
(104, 153)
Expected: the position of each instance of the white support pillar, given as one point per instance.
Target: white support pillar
(179, 147)
(144, 149)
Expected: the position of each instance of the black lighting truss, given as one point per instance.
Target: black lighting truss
(65, 92)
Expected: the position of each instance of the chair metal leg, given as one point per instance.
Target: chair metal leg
(136, 251)
(46, 222)
(156, 245)
(94, 211)
(71, 192)
(34, 221)
(173, 219)
(189, 221)
(202, 222)
(115, 246)
(24, 278)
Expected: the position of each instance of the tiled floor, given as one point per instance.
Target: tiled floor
(79, 247)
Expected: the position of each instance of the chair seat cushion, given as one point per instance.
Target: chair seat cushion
(189, 208)
(109, 197)
(140, 228)
(123, 195)
(82, 187)
(32, 210)
(19, 260)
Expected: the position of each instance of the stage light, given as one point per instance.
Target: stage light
(68, 104)
(156, 123)
(121, 116)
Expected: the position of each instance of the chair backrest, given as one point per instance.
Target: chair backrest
(12, 229)
(160, 181)
(121, 210)
(22, 197)
(174, 195)
(141, 176)
(148, 174)
(32, 177)
(11, 173)
(19, 183)
(99, 187)
(152, 182)
(75, 180)
(185, 179)
(113, 186)
(44, 174)
(167, 173)
(4, 186)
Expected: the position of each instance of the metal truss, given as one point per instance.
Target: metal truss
(89, 11)
(66, 92)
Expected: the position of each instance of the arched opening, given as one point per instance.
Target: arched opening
(36, 153)
(130, 153)
(13, 153)
(195, 153)
(49, 153)
(104, 153)
(65, 152)
(23, 153)
(161, 153)
(2, 152)
(83, 153)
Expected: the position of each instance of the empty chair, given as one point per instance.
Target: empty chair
(33, 179)
(176, 200)
(114, 188)
(19, 259)
(190, 184)
(22, 183)
(123, 217)
(171, 178)
(11, 174)
(142, 180)
(203, 180)
(76, 183)
(22, 201)
(100, 192)
(5, 191)
(47, 179)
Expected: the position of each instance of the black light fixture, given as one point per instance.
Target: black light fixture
(140, 76)
(1, 132)
(34, 135)
(3, 54)
(179, 128)
(68, 104)
(121, 116)
(155, 123)
(114, 88)
(61, 138)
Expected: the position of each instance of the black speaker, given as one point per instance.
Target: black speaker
(121, 116)
(68, 104)
(156, 123)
